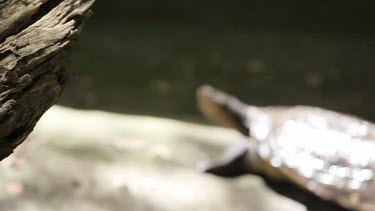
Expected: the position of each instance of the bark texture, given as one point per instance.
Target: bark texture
(33, 37)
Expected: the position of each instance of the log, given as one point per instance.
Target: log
(34, 36)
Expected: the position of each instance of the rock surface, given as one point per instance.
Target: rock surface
(90, 160)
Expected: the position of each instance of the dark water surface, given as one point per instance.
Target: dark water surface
(148, 58)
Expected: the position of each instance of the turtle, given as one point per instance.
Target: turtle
(327, 153)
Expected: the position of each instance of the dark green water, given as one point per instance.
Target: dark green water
(148, 58)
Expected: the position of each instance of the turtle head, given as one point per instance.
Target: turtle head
(222, 108)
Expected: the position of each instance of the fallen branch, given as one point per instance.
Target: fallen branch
(34, 35)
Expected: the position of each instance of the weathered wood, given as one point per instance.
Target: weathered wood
(33, 35)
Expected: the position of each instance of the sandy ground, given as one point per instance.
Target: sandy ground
(96, 161)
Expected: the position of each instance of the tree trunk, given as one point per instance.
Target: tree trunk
(33, 37)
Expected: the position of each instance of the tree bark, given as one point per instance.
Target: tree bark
(34, 35)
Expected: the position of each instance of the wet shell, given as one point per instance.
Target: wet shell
(328, 153)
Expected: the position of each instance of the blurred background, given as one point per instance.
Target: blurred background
(147, 57)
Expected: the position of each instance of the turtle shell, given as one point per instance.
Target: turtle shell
(328, 153)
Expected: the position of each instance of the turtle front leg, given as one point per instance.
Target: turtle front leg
(234, 162)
